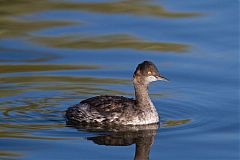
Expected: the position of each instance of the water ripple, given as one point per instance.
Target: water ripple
(185, 117)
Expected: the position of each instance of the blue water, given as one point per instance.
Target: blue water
(56, 53)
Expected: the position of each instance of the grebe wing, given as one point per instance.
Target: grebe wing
(101, 109)
(109, 104)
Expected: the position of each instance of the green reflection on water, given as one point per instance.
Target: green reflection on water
(16, 28)
(30, 56)
(42, 79)
(43, 67)
(134, 7)
(78, 85)
(108, 42)
(24, 135)
(13, 26)
(32, 126)
(173, 123)
(4, 154)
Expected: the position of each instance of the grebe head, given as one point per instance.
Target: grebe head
(147, 72)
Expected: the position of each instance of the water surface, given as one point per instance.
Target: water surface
(54, 54)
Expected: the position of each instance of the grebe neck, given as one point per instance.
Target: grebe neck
(142, 98)
(143, 148)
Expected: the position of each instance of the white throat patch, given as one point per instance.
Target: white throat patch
(151, 79)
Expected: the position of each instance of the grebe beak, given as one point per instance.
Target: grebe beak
(161, 78)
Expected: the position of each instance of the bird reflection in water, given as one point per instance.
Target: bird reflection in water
(142, 136)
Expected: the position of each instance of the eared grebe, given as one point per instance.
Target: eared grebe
(118, 110)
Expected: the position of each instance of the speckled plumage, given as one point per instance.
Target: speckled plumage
(118, 110)
(101, 110)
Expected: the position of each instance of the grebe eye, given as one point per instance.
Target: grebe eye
(149, 72)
